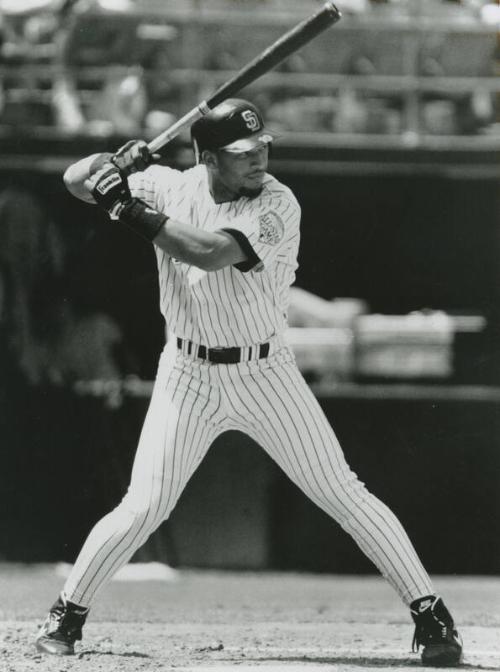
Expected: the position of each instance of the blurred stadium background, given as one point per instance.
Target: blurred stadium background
(390, 138)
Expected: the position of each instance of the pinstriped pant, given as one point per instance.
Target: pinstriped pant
(192, 403)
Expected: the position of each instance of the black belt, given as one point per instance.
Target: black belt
(225, 355)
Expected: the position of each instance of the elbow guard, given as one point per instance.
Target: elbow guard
(141, 218)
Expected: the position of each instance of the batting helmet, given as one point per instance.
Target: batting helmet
(235, 126)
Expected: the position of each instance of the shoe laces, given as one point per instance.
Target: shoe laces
(56, 616)
(66, 620)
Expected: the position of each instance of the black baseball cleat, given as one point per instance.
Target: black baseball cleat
(62, 628)
(435, 631)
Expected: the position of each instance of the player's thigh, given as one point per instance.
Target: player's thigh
(176, 433)
(295, 432)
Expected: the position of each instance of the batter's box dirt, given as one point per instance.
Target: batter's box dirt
(285, 622)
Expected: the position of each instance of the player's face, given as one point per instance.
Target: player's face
(241, 174)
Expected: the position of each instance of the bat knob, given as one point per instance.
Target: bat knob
(334, 11)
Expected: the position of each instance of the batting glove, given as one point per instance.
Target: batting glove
(110, 189)
(111, 192)
(134, 157)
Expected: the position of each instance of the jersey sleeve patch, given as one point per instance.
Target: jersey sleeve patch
(271, 228)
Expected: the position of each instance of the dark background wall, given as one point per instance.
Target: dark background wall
(399, 242)
(437, 464)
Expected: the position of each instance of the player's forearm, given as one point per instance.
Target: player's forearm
(75, 176)
(207, 250)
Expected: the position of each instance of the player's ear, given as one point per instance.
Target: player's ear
(209, 158)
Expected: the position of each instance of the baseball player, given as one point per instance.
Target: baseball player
(226, 237)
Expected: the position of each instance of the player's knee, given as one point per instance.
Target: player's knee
(138, 514)
(348, 497)
(357, 494)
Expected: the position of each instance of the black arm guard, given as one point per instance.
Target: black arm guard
(141, 218)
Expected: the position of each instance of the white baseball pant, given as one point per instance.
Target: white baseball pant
(192, 403)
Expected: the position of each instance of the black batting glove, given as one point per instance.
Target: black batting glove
(109, 189)
(134, 157)
(111, 192)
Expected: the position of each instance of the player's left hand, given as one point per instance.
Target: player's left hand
(109, 189)
(134, 157)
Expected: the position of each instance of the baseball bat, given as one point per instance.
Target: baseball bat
(291, 41)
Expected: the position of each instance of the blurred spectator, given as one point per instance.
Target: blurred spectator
(122, 104)
(112, 66)
(31, 258)
(46, 337)
(490, 13)
(31, 30)
(119, 103)
(57, 32)
(98, 33)
(86, 345)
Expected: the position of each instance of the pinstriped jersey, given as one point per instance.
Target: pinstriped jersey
(227, 307)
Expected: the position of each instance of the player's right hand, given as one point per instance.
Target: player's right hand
(133, 157)
(109, 189)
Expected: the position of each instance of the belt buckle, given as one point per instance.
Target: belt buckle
(221, 355)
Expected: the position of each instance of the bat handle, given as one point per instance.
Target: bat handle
(174, 130)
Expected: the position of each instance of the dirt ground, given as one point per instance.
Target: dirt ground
(209, 621)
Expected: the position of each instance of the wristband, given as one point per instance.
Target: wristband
(141, 218)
